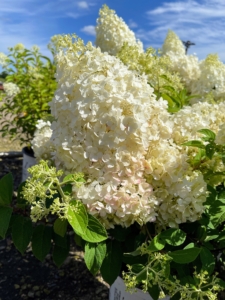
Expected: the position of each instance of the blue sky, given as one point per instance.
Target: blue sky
(33, 22)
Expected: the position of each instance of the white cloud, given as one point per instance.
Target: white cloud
(132, 24)
(89, 29)
(200, 22)
(82, 4)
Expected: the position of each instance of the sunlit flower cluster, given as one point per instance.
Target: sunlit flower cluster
(11, 89)
(220, 138)
(41, 143)
(200, 115)
(110, 125)
(3, 59)
(19, 47)
(187, 66)
(173, 44)
(108, 122)
(112, 32)
(211, 78)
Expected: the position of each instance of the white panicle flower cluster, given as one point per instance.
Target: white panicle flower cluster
(41, 142)
(190, 119)
(112, 32)
(3, 59)
(11, 89)
(173, 44)
(180, 191)
(110, 126)
(19, 47)
(211, 79)
(220, 138)
(187, 66)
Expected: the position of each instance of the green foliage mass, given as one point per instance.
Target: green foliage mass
(34, 74)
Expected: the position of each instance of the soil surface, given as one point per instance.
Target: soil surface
(25, 277)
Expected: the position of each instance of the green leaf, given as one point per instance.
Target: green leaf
(154, 291)
(172, 236)
(217, 213)
(67, 189)
(210, 135)
(21, 233)
(61, 249)
(185, 256)
(194, 143)
(112, 263)
(120, 233)
(60, 226)
(94, 255)
(210, 149)
(173, 106)
(208, 260)
(20, 200)
(95, 231)
(41, 241)
(6, 189)
(140, 271)
(189, 246)
(79, 241)
(156, 244)
(77, 217)
(5, 216)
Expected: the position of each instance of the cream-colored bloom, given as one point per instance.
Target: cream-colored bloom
(110, 127)
(211, 78)
(19, 47)
(187, 66)
(173, 44)
(190, 119)
(220, 138)
(112, 32)
(3, 59)
(11, 89)
(41, 142)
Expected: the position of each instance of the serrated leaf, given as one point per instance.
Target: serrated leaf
(154, 291)
(185, 256)
(21, 233)
(208, 260)
(217, 213)
(156, 244)
(210, 135)
(210, 150)
(67, 189)
(112, 262)
(6, 189)
(60, 226)
(41, 241)
(95, 231)
(61, 249)
(172, 236)
(77, 217)
(194, 143)
(5, 216)
(20, 199)
(189, 246)
(94, 255)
